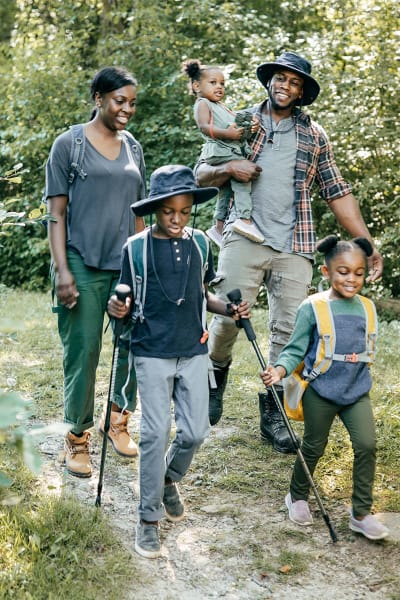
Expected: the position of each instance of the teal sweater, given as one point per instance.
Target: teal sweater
(344, 383)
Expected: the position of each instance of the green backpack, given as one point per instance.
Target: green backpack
(137, 252)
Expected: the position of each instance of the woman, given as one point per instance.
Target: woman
(90, 220)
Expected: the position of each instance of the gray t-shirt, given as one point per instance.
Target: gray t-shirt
(273, 193)
(99, 219)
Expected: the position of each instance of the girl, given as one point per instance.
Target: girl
(342, 390)
(90, 221)
(224, 141)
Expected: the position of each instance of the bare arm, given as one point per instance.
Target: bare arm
(219, 307)
(347, 212)
(241, 170)
(66, 289)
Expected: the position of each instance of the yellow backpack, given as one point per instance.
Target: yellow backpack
(296, 383)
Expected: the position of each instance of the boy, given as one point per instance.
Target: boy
(169, 342)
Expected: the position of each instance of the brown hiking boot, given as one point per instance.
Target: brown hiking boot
(118, 434)
(76, 454)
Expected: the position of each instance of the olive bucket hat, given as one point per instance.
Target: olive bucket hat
(168, 181)
(296, 63)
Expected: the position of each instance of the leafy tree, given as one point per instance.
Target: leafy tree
(56, 47)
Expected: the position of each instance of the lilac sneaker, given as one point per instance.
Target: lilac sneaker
(214, 235)
(299, 511)
(370, 527)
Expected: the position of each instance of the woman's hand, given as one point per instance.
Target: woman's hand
(66, 290)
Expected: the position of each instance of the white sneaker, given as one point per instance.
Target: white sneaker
(299, 511)
(214, 235)
(370, 527)
(248, 230)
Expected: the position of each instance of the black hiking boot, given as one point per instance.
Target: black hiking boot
(216, 394)
(272, 426)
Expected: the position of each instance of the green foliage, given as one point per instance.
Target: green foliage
(54, 48)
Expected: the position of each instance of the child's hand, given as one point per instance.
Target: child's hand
(272, 375)
(243, 310)
(239, 311)
(255, 125)
(118, 309)
(235, 132)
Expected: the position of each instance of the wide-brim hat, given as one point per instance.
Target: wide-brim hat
(296, 63)
(168, 181)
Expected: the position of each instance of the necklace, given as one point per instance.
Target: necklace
(181, 297)
(272, 131)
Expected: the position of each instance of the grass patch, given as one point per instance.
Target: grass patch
(55, 547)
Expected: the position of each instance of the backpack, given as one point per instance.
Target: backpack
(76, 156)
(137, 253)
(297, 382)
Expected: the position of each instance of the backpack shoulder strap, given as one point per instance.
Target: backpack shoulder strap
(326, 332)
(136, 152)
(202, 245)
(371, 329)
(77, 152)
(137, 253)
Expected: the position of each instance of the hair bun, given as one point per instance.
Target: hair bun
(364, 244)
(327, 244)
(191, 68)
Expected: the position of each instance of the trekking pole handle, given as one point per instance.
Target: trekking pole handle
(122, 291)
(235, 296)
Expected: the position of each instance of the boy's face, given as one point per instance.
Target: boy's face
(173, 215)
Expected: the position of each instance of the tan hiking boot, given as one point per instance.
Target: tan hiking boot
(76, 454)
(118, 434)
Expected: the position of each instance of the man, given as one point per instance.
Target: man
(290, 153)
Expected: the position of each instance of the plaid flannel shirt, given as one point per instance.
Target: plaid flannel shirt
(314, 163)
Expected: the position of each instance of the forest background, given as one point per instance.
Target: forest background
(50, 50)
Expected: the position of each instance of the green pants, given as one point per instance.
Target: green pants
(81, 331)
(359, 422)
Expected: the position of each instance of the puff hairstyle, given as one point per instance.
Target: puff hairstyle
(195, 70)
(331, 247)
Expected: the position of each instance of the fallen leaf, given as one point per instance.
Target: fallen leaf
(285, 569)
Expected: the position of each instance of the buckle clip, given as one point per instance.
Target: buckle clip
(351, 357)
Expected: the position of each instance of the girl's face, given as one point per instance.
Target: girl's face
(117, 107)
(346, 273)
(172, 216)
(211, 85)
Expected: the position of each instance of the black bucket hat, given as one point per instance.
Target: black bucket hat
(296, 63)
(172, 180)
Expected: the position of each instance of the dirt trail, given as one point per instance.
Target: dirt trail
(226, 548)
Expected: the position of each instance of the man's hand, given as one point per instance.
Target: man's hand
(375, 266)
(241, 170)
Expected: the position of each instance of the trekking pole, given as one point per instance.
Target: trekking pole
(235, 297)
(122, 291)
